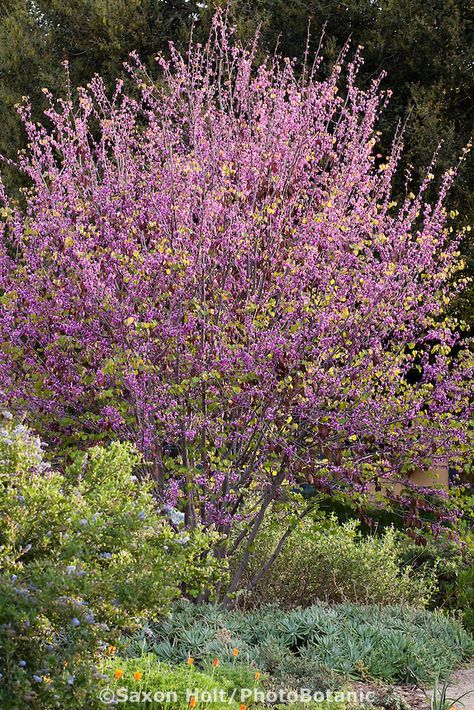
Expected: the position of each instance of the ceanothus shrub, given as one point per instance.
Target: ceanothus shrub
(82, 556)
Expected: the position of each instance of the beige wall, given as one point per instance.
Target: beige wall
(433, 477)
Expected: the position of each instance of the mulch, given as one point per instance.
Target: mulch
(415, 697)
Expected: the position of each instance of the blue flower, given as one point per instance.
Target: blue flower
(38, 678)
(22, 663)
(75, 621)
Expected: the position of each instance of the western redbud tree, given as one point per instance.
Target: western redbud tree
(215, 268)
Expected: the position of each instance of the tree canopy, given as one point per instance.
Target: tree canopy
(214, 267)
(426, 49)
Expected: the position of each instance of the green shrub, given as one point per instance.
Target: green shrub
(452, 566)
(392, 644)
(82, 555)
(465, 597)
(323, 560)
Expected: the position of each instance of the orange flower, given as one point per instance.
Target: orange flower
(118, 673)
(192, 702)
(257, 675)
(190, 661)
(243, 707)
(215, 662)
(112, 650)
(235, 652)
(137, 676)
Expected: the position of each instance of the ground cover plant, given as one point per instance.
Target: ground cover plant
(147, 673)
(387, 643)
(235, 682)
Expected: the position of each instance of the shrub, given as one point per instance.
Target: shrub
(465, 596)
(335, 563)
(452, 566)
(82, 555)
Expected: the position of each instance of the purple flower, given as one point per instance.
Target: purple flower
(264, 277)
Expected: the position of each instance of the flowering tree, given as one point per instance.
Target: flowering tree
(217, 270)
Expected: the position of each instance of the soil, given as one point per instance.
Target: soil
(416, 698)
(461, 682)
